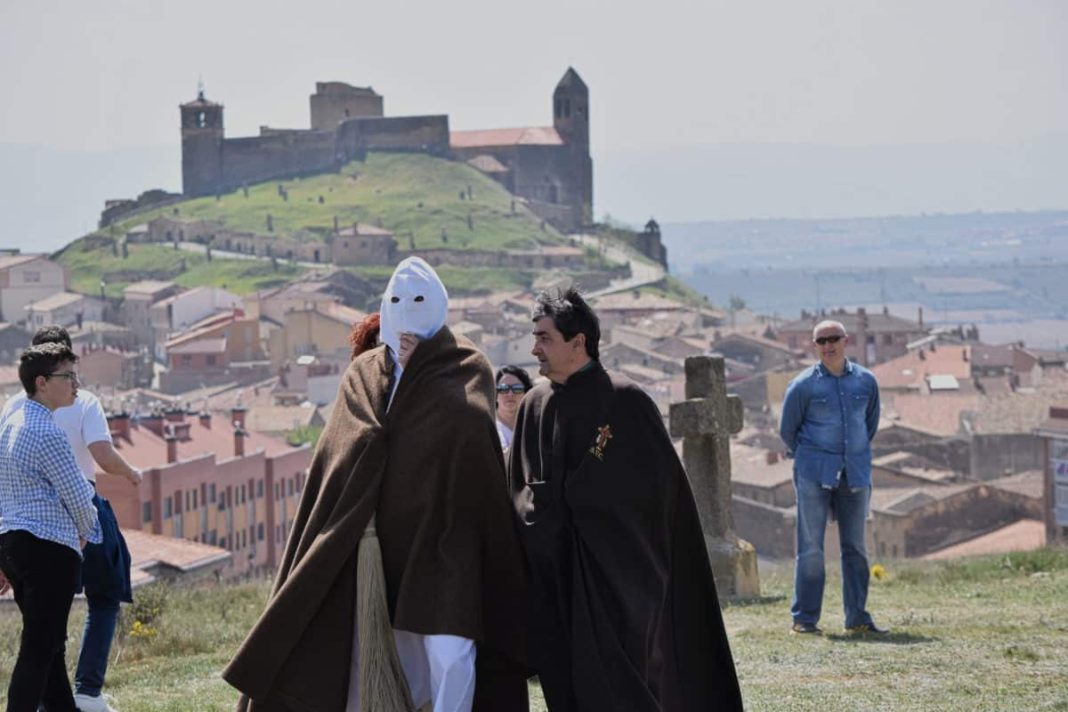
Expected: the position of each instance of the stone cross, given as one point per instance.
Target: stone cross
(705, 421)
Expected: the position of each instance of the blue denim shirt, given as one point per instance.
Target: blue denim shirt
(828, 422)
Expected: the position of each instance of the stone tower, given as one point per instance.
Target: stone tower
(202, 146)
(571, 109)
(571, 119)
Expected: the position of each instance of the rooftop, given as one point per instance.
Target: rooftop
(149, 551)
(1024, 535)
(10, 261)
(528, 136)
(55, 301)
(931, 364)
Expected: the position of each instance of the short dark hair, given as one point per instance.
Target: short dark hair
(42, 360)
(52, 335)
(520, 373)
(571, 315)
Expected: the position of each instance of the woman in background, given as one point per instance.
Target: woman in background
(512, 383)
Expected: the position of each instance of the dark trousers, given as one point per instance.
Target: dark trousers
(43, 576)
(106, 581)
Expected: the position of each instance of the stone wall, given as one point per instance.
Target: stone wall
(769, 529)
(276, 155)
(994, 456)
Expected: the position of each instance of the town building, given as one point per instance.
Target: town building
(25, 279)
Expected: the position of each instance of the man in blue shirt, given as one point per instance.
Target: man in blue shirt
(46, 517)
(829, 416)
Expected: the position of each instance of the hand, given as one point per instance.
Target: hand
(408, 342)
(4, 584)
(82, 542)
(524, 503)
(134, 476)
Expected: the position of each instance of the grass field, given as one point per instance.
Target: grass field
(410, 194)
(977, 634)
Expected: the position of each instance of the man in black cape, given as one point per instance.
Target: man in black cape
(624, 614)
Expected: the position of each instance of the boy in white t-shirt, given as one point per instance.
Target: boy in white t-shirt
(106, 582)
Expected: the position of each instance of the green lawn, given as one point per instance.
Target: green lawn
(979, 634)
(89, 265)
(408, 193)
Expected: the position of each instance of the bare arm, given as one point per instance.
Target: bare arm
(112, 462)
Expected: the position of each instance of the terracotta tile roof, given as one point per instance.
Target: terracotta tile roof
(279, 418)
(1028, 483)
(527, 136)
(147, 287)
(912, 369)
(914, 465)
(147, 550)
(145, 449)
(55, 301)
(935, 413)
(199, 346)
(1024, 535)
(897, 500)
(624, 301)
(488, 164)
(756, 341)
(749, 465)
(878, 323)
(15, 260)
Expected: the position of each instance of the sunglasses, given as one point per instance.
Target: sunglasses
(517, 388)
(829, 339)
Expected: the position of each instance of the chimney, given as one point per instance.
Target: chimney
(771, 457)
(174, 415)
(239, 441)
(205, 419)
(181, 431)
(172, 446)
(119, 426)
(919, 315)
(237, 416)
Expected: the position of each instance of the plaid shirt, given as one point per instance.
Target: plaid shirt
(42, 491)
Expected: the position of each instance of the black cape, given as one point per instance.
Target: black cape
(623, 603)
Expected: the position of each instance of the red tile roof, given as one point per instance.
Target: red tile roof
(1024, 535)
(528, 136)
(913, 368)
(145, 449)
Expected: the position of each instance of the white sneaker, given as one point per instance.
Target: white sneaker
(85, 703)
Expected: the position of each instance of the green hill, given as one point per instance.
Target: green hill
(973, 634)
(418, 197)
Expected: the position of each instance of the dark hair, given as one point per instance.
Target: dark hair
(52, 335)
(571, 315)
(42, 360)
(516, 371)
(364, 334)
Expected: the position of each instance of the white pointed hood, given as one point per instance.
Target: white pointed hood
(415, 302)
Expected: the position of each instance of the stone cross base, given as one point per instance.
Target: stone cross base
(734, 564)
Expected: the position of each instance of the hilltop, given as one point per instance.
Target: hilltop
(426, 202)
(972, 634)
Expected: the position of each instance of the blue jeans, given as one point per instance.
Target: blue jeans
(850, 506)
(106, 579)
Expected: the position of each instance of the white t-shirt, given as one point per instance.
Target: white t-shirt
(84, 423)
(505, 434)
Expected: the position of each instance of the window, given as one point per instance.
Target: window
(29, 276)
(195, 493)
(289, 484)
(168, 508)
(259, 531)
(211, 494)
(146, 512)
(211, 537)
(211, 359)
(888, 339)
(186, 360)
(243, 498)
(259, 490)
(188, 500)
(222, 542)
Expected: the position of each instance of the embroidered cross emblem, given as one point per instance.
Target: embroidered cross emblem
(604, 434)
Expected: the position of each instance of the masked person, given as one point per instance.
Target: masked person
(410, 446)
(623, 603)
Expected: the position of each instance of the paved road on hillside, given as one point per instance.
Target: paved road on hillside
(642, 272)
(223, 254)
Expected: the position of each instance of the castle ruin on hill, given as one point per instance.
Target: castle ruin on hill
(549, 167)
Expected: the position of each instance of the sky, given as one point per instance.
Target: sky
(93, 82)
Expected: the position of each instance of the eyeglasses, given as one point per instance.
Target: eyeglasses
(829, 339)
(517, 388)
(64, 374)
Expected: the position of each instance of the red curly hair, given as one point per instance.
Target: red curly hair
(364, 334)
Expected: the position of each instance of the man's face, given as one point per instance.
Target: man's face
(557, 358)
(60, 388)
(830, 349)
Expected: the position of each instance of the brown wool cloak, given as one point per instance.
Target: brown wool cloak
(431, 471)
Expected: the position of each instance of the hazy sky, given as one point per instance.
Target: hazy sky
(672, 83)
(108, 74)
